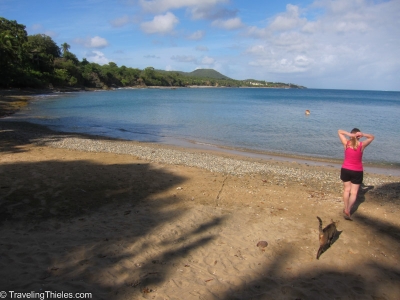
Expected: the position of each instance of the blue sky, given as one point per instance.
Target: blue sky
(339, 44)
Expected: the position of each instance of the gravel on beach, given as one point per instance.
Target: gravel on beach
(275, 172)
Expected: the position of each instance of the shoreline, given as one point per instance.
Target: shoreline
(384, 169)
(323, 175)
(13, 100)
(238, 154)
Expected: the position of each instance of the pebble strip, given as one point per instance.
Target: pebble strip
(274, 172)
(281, 175)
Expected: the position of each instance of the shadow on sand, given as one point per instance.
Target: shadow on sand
(47, 197)
(277, 282)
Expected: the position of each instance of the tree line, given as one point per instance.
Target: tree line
(37, 61)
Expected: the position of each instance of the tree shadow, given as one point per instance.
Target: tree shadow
(277, 282)
(92, 226)
(379, 227)
(14, 134)
(363, 190)
(387, 193)
(329, 283)
(40, 191)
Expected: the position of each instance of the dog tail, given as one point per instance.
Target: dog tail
(320, 225)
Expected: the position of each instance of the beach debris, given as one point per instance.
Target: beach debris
(262, 244)
(209, 280)
(146, 291)
(179, 188)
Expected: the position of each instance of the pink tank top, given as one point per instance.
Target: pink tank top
(353, 158)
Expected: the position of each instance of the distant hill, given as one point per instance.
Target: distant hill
(210, 77)
(207, 73)
(200, 73)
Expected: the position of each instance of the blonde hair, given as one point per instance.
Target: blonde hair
(353, 140)
(353, 143)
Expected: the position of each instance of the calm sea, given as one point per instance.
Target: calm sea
(252, 119)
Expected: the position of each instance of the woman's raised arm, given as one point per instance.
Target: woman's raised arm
(342, 136)
(370, 138)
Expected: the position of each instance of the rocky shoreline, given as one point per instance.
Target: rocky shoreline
(281, 173)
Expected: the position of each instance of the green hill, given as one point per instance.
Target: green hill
(207, 73)
(200, 73)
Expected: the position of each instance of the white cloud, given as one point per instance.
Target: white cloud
(349, 40)
(297, 64)
(198, 9)
(119, 22)
(302, 61)
(340, 6)
(94, 42)
(256, 50)
(288, 20)
(98, 42)
(351, 26)
(159, 6)
(207, 60)
(197, 35)
(254, 31)
(231, 24)
(97, 57)
(201, 48)
(162, 24)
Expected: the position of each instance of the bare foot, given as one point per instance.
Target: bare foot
(346, 216)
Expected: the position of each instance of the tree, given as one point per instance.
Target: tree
(44, 44)
(72, 57)
(12, 39)
(42, 51)
(84, 62)
(65, 47)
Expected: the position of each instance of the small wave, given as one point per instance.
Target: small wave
(204, 144)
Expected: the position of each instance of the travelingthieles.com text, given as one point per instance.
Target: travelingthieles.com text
(43, 295)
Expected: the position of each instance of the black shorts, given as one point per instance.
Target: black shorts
(356, 177)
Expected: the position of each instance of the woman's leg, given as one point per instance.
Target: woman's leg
(353, 196)
(346, 196)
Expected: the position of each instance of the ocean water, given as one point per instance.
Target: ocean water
(251, 119)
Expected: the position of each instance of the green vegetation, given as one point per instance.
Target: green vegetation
(36, 61)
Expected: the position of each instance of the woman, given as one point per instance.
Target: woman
(352, 169)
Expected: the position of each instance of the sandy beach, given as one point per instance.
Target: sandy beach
(129, 220)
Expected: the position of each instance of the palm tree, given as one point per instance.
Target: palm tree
(65, 48)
